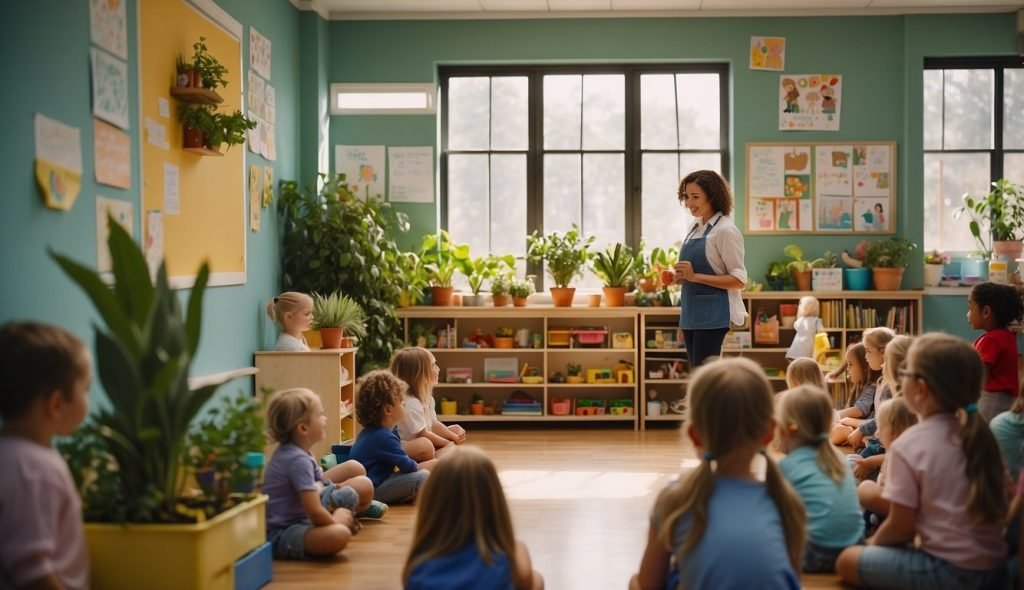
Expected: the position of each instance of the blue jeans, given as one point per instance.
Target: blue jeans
(400, 487)
(911, 569)
(700, 344)
(820, 559)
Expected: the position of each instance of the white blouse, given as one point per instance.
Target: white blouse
(724, 249)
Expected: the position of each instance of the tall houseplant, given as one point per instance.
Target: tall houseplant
(887, 260)
(997, 219)
(614, 266)
(337, 315)
(442, 257)
(335, 240)
(563, 256)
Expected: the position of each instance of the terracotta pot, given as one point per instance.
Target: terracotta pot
(331, 337)
(647, 285)
(594, 300)
(802, 279)
(197, 79)
(1008, 250)
(887, 279)
(503, 342)
(347, 342)
(477, 408)
(500, 300)
(441, 295)
(519, 301)
(193, 138)
(562, 296)
(184, 78)
(614, 296)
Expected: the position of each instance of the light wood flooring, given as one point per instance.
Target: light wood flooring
(580, 500)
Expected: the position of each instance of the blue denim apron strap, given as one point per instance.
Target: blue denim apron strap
(702, 307)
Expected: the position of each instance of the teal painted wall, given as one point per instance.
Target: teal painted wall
(46, 48)
(880, 58)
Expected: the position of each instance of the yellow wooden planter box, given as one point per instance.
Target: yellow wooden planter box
(175, 556)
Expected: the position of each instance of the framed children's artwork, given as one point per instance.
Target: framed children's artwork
(821, 187)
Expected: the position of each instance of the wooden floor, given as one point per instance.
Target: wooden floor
(580, 500)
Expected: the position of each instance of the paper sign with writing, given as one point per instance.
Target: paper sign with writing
(112, 158)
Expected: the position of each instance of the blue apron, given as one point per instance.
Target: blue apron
(702, 307)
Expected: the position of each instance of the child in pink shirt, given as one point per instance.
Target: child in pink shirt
(45, 374)
(944, 483)
(993, 307)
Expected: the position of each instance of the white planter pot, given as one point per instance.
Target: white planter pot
(932, 275)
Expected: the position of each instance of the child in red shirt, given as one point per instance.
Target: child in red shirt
(993, 307)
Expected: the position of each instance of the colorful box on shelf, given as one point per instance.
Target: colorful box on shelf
(592, 337)
(561, 407)
(622, 340)
(501, 370)
(589, 407)
(596, 376)
(620, 407)
(559, 337)
(458, 375)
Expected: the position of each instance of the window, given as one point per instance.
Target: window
(973, 135)
(382, 99)
(604, 147)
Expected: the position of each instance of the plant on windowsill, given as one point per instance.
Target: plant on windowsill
(563, 256)
(997, 219)
(442, 257)
(478, 270)
(887, 260)
(520, 290)
(501, 285)
(934, 263)
(614, 266)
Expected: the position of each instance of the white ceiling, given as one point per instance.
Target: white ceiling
(498, 9)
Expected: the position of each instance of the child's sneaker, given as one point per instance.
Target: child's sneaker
(375, 511)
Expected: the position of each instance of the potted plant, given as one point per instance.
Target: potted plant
(211, 72)
(887, 260)
(504, 337)
(614, 266)
(800, 268)
(563, 256)
(520, 290)
(478, 270)
(999, 217)
(476, 406)
(934, 262)
(856, 276)
(186, 74)
(449, 407)
(228, 129)
(573, 373)
(145, 346)
(776, 276)
(827, 276)
(336, 315)
(442, 258)
(648, 265)
(197, 123)
(414, 279)
(501, 286)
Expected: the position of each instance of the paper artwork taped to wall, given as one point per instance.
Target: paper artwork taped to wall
(363, 167)
(110, 88)
(108, 26)
(810, 102)
(58, 162)
(123, 214)
(112, 158)
(255, 196)
(259, 53)
(768, 53)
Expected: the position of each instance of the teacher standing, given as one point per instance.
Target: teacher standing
(710, 266)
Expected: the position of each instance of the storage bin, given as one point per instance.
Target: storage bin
(590, 337)
(561, 407)
(559, 337)
(256, 569)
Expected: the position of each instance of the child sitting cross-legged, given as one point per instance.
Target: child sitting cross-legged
(893, 417)
(396, 477)
(818, 473)
(309, 513)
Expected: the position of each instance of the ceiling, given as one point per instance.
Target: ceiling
(503, 9)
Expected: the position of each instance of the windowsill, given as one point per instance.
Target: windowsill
(948, 291)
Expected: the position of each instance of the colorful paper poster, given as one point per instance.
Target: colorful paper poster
(810, 101)
(112, 157)
(254, 135)
(259, 53)
(255, 196)
(411, 174)
(834, 170)
(108, 26)
(835, 214)
(122, 212)
(871, 169)
(172, 188)
(363, 167)
(257, 95)
(154, 244)
(871, 215)
(58, 162)
(268, 105)
(787, 217)
(268, 144)
(762, 214)
(109, 88)
(268, 186)
(766, 174)
(768, 53)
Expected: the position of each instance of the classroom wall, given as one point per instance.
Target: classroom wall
(880, 58)
(46, 48)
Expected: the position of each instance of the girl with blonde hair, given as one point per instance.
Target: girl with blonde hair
(476, 550)
(293, 313)
(819, 475)
(893, 355)
(423, 435)
(804, 371)
(719, 511)
(944, 483)
(894, 417)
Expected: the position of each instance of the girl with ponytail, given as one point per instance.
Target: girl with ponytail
(819, 475)
(719, 512)
(943, 480)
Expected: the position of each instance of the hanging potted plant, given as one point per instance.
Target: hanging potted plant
(800, 268)
(228, 129)
(563, 256)
(197, 123)
(520, 290)
(442, 258)
(997, 219)
(614, 266)
(210, 71)
(478, 270)
(887, 260)
(337, 315)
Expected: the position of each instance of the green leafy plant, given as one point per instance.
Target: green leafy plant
(521, 288)
(614, 266)
(797, 262)
(197, 116)
(210, 70)
(144, 351)
(997, 216)
(339, 311)
(828, 260)
(501, 284)
(335, 240)
(891, 253)
(443, 257)
(478, 270)
(778, 275)
(573, 369)
(563, 255)
(504, 332)
(414, 276)
(229, 129)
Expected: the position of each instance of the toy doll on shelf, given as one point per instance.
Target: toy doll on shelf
(807, 325)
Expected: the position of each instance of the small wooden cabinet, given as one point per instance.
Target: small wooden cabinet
(330, 373)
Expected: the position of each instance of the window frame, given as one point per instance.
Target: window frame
(632, 186)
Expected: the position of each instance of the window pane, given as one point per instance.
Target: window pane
(699, 111)
(469, 110)
(661, 221)
(562, 112)
(468, 211)
(967, 120)
(508, 204)
(1013, 167)
(604, 112)
(509, 110)
(604, 205)
(563, 183)
(657, 112)
(946, 178)
(1013, 110)
(933, 109)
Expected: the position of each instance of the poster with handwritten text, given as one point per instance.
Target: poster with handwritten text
(411, 174)
(108, 26)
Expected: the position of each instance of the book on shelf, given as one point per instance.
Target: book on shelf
(831, 313)
(897, 317)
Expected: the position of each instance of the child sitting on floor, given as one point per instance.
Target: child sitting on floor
(894, 417)
(804, 371)
(422, 434)
(861, 381)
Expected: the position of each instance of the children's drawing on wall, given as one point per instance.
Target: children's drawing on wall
(833, 170)
(787, 217)
(871, 215)
(768, 53)
(809, 102)
(767, 171)
(835, 214)
(762, 214)
(363, 167)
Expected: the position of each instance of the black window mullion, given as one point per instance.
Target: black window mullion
(633, 166)
(535, 165)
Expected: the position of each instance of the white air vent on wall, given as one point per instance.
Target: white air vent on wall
(383, 99)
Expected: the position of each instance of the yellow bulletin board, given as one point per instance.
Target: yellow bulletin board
(821, 187)
(210, 219)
